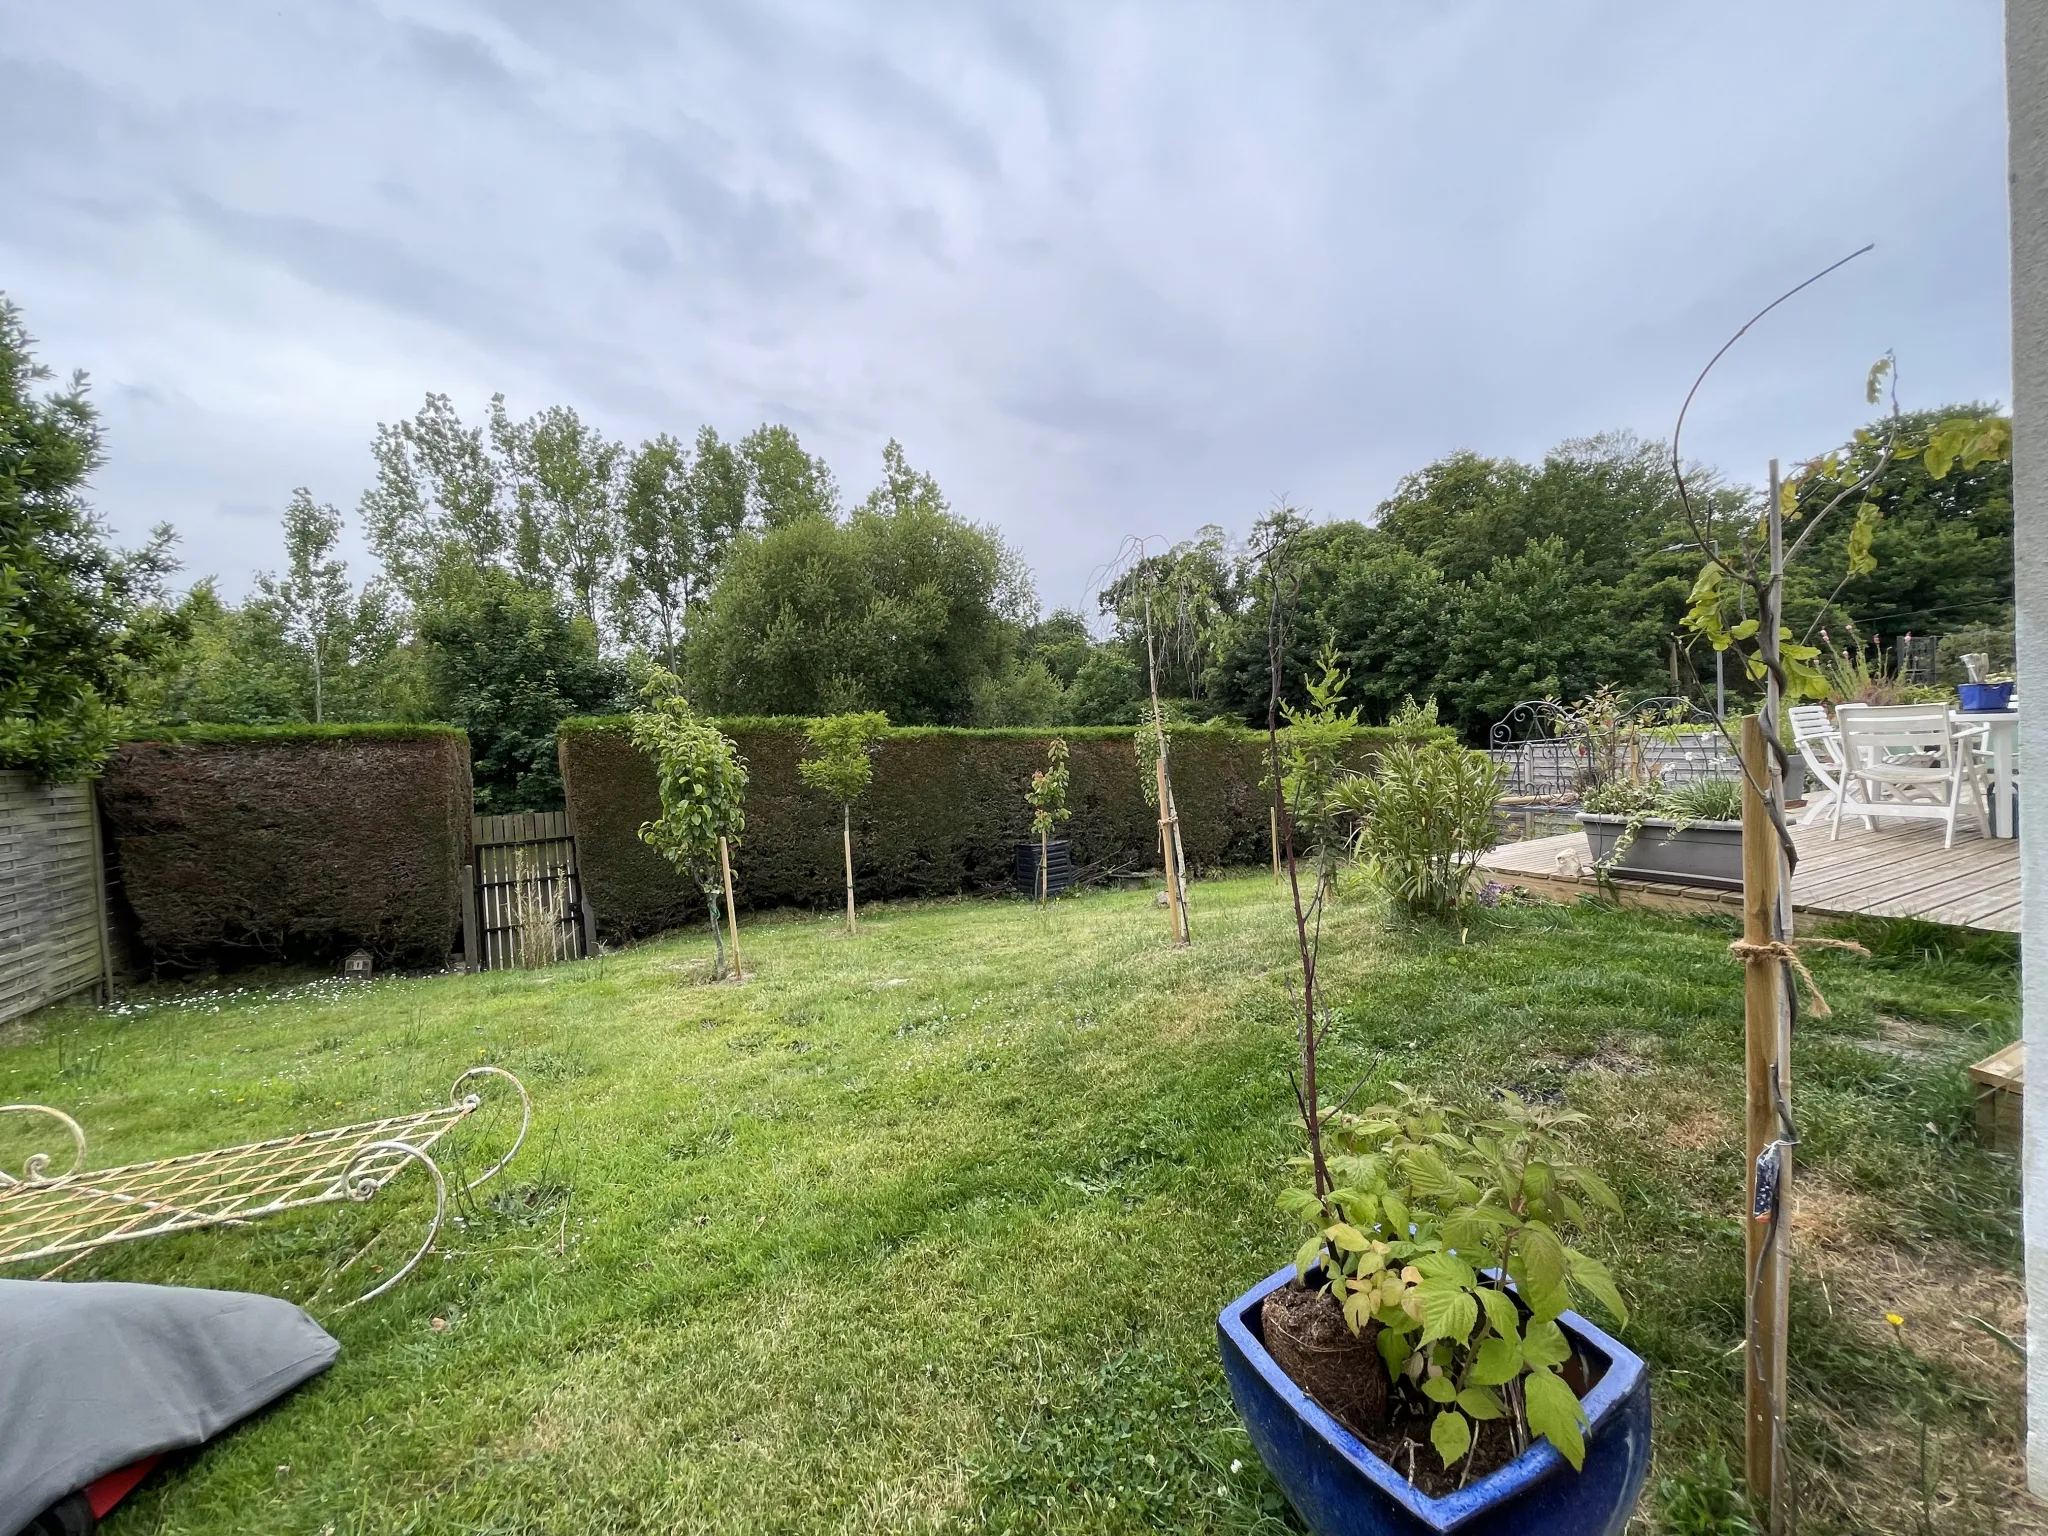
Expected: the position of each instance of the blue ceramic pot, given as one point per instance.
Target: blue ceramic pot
(1341, 1488)
(1985, 698)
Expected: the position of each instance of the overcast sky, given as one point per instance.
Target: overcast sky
(1104, 269)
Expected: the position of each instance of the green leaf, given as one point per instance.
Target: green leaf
(1555, 1414)
(1481, 1403)
(1500, 1360)
(1451, 1434)
(1446, 1266)
(1448, 1312)
(1346, 1238)
(1592, 1277)
(1393, 1348)
(1544, 1343)
(1299, 1202)
(1428, 1176)
(1308, 1256)
(1438, 1389)
(1543, 1260)
(1397, 1216)
(1501, 1312)
(1595, 1188)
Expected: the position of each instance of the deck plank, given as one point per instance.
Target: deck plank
(1896, 871)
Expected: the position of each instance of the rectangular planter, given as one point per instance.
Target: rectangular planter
(1706, 853)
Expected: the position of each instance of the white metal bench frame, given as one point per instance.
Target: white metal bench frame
(81, 1211)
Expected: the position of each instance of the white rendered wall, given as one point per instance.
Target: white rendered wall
(2026, 63)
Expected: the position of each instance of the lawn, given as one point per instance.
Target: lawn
(928, 1228)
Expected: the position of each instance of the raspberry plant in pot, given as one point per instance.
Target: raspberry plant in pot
(1433, 1211)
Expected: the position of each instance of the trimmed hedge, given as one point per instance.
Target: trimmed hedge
(294, 843)
(943, 816)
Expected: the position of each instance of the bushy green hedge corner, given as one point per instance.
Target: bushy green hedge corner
(943, 815)
(296, 843)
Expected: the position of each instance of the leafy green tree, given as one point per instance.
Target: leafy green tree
(903, 608)
(785, 484)
(313, 598)
(508, 666)
(1023, 693)
(1107, 689)
(680, 515)
(79, 621)
(564, 477)
(436, 513)
(1529, 628)
(703, 781)
(843, 768)
(1173, 608)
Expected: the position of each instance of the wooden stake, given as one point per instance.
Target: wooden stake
(848, 811)
(1166, 855)
(732, 915)
(1767, 1065)
(1044, 877)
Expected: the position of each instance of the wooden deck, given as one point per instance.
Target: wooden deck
(1900, 870)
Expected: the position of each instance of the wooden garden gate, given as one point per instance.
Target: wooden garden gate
(523, 902)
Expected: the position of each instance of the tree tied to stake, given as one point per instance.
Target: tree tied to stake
(702, 779)
(1047, 798)
(843, 767)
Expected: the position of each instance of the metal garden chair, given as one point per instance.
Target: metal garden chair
(79, 1211)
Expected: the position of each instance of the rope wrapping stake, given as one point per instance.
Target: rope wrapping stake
(1786, 952)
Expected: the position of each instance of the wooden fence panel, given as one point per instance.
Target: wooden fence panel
(52, 928)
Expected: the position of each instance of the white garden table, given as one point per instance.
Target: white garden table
(2002, 743)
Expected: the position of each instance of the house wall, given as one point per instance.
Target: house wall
(2027, 110)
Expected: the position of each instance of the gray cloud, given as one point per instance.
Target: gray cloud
(1104, 268)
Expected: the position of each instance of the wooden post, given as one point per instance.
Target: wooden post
(472, 933)
(732, 914)
(1166, 854)
(99, 890)
(1767, 1065)
(847, 810)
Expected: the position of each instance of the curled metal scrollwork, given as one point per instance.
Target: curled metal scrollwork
(457, 1096)
(361, 1184)
(36, 1170)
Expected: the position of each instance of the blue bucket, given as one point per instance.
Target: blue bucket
(1986, 698)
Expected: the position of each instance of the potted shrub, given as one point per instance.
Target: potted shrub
(1688, 833)
(1418, 1368)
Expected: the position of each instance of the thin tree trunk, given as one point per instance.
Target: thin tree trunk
(1043, 846)
(732, 911)
(717, 936)
(847, 811)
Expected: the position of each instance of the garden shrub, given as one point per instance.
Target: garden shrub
(943, 816)
(296, 843)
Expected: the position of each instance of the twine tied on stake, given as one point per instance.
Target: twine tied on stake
(1787, 950)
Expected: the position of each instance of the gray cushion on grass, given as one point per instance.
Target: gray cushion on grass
(97, 1375)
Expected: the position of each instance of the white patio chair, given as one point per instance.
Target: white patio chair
(1908, 760)
(1818, 742)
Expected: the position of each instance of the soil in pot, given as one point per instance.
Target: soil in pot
(1305, 1333)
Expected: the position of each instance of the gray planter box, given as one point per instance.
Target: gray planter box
(1705, 853)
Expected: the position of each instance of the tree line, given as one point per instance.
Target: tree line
(531, 569)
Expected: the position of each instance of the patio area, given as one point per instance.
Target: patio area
(1898, 869)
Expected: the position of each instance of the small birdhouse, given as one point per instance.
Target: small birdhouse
(358, 966)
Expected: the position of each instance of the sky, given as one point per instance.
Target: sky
(1105, 269)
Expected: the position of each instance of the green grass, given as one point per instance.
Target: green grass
(928, 1229)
